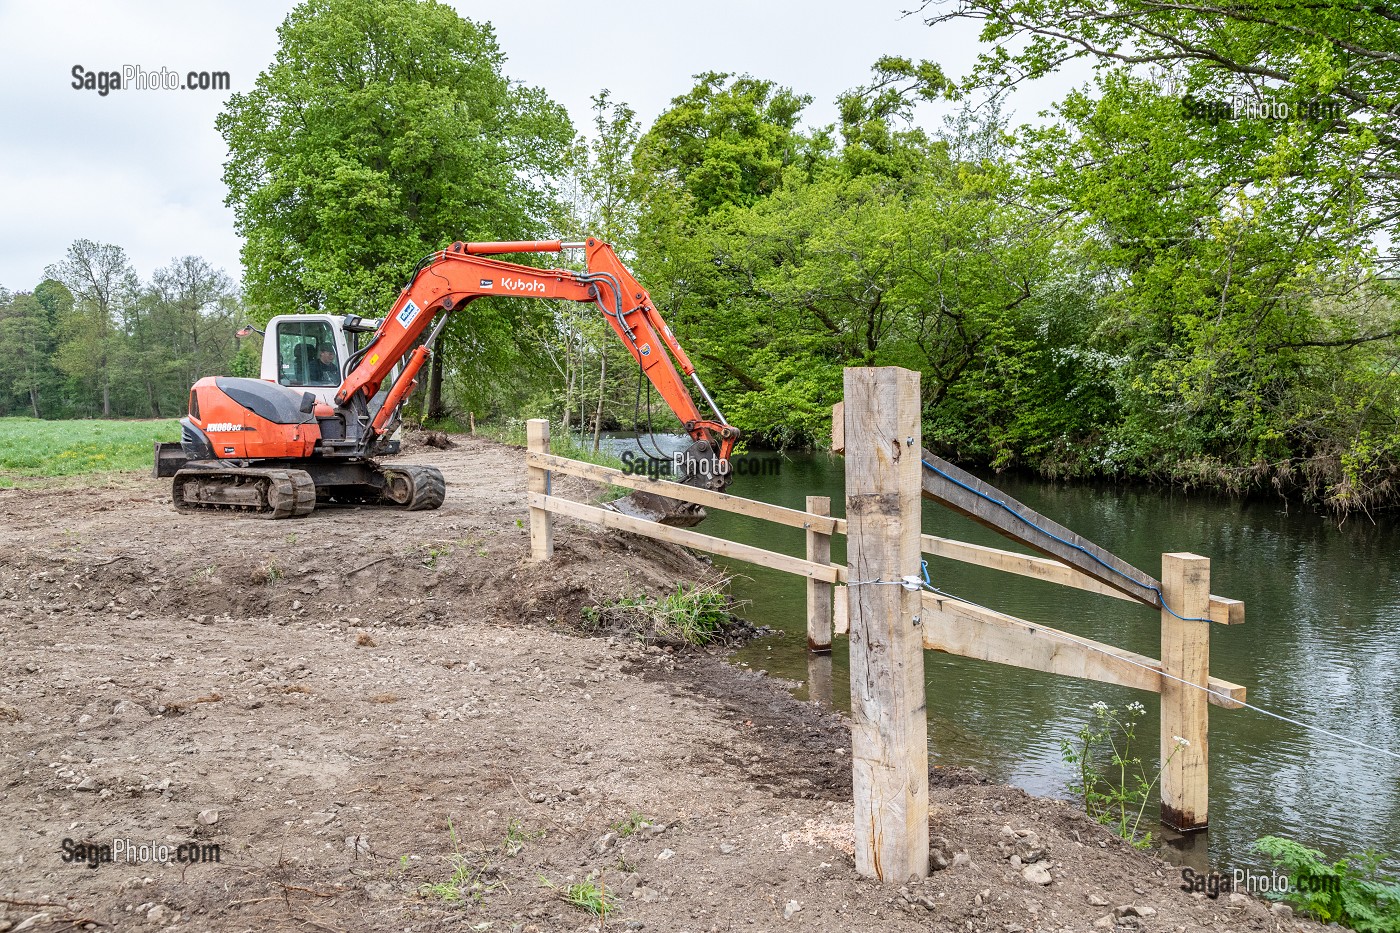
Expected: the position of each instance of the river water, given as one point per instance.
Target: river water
(1321, 644)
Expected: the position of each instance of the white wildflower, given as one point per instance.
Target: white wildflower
(1099, 706)
(1136, 707)
(1180, 741)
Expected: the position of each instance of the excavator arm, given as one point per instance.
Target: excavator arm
(450, 279)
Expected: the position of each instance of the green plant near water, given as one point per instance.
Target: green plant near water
(1350, 891)
(696, 615)
(1114, 783)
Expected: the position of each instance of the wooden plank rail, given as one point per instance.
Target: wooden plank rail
(1222, 610)
(1036, 647)
(830, 573)
(967, 495)
(794, 518)
(969, 631)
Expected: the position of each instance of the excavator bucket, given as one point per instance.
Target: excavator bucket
(701, 468)
(650, 507)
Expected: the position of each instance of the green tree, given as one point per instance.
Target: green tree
(102, 284)
(26, 344)
(1330, 66)
(200, 305)
(382, 130)
(726, 141)
(603, 199)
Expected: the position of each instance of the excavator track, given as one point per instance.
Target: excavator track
(262, 493)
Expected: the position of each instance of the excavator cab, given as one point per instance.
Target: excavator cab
(292, 356)
(292, 353)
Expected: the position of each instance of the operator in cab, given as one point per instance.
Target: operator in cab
(324, 370)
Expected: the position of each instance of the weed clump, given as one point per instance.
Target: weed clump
(698, 615)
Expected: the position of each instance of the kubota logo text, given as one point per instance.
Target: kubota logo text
(521, 285)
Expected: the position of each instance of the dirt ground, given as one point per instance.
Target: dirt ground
(366, 710)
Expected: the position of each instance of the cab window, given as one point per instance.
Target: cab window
(306, 354)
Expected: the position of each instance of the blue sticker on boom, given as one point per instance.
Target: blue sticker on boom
(409, 312)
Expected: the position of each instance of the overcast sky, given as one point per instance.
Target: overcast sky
(141, 169)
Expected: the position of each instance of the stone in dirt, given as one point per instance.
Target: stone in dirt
(209, 817)
(791, 908)
(604, 843)
(1097, 900)
(940, 853)
(1037, 874)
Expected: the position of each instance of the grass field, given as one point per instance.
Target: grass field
(32, 450)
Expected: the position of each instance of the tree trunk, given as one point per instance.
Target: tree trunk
(34, 400)
(434, 408)
(151, 395)
(106, 397)
(598, 412)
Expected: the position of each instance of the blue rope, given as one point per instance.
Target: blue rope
(1161, 600)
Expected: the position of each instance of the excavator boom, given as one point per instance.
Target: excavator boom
(449, 279)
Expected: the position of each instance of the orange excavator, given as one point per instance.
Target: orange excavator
(267, 448)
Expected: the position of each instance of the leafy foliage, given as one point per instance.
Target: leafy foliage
(384, 130)
(1349, 891)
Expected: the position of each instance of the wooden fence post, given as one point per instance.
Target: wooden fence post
(818, 591)
(889, 722)
(1185, 711)
(541, 523)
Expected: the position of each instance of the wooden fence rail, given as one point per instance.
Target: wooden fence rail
(889, 626)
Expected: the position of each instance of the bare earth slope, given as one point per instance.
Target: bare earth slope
(363, 704)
